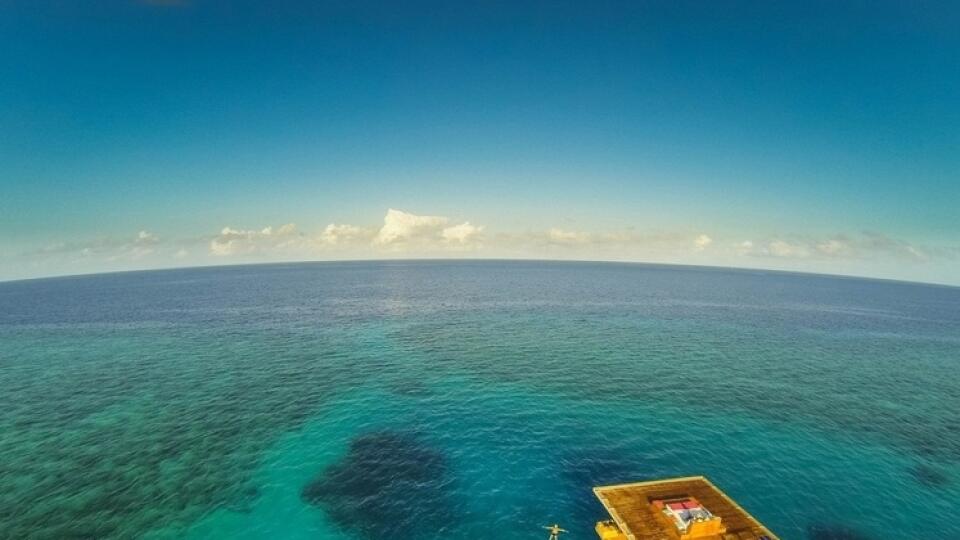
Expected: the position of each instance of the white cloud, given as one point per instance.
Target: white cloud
(462, 234)
(403, 230)
(142, 246)
(335, 234)
(560, 236)
(782, 248)
(144, 238)
(745, 247)
(917, 253)
(247, 242)
(404, 234)
(832, 247)
(701, 242)
(399, 226)
(865, 246)
(777, 247)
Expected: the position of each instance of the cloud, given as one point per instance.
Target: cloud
(408, 235)
(146, 238)
(464, 233)
(250, 242)
(111, 248)
(832, 247)
(619, 242)
(745, 247)
(879, 242)
(403, 230)
(783, 248)
(778, 248)
(143, 245)
(560, 236)
(627, 244)
(399, 226)
(701, 242)
(335, 234)
(865, 246)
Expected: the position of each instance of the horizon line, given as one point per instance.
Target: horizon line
(485, 259)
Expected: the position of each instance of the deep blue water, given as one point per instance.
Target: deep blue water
(408, 400)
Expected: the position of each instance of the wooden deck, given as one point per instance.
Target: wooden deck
(629, 507)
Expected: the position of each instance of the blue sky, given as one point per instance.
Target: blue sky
(812, 136)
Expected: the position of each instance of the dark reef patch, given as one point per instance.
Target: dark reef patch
(930, 476)
(389, 485)
(176, 439)
(833, 531)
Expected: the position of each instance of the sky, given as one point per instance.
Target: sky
(806, 136)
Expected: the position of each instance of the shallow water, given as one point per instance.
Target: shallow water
(470, 399)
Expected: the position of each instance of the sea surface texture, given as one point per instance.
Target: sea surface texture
(470, 400)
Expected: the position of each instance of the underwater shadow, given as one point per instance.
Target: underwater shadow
(389, 485)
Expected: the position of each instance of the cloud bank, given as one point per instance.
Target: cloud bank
(403, 228)
(240, 242)
(403, 234)
(866, 245)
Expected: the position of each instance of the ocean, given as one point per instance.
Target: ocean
(471, 399)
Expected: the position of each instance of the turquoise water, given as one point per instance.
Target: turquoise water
(470, 399)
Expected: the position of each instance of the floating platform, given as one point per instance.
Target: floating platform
(675, 509)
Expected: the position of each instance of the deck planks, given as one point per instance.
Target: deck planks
(629, 506)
